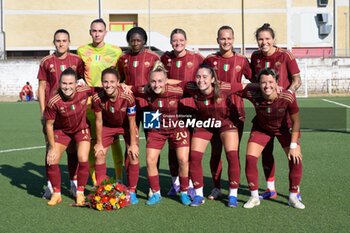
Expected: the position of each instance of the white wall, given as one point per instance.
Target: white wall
(317, 71)
(15, 73)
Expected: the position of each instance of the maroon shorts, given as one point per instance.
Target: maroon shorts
(262, 138)
(110, 134)
(207, 133)
(179, 138)
(79, 136)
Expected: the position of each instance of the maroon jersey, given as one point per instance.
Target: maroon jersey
(231, 70)
(51, 68)
(206, 104)
(281, 60)
(182, 68)
(166, 104)
(271, 118)
(134, 69)
(69, 115)
(114, 114)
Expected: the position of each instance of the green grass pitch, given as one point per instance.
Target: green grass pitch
(325, 185)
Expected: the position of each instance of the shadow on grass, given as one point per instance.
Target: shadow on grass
(31, 177)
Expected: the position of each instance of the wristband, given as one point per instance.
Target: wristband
(293, 145)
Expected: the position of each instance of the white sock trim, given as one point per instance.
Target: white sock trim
(199, 191)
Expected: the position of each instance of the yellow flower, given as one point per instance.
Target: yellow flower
(99, 206)
(122, 197)
(108, 187)
(97, 198)
(113, 201)
(118, 206)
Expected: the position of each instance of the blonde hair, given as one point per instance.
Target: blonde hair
(158, 67)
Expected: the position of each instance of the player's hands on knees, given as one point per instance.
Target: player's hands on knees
(51, 156)
(295, 155)
(133, 151)
(98, 148)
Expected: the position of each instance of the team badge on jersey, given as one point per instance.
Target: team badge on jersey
(268, 110)
(215, 63)
(238, 68)
(62, 110)
(178, 64)
(278, 65)
(97, 57)
(226, 67)
(112, 109)
(160, 103)
(206, 102)
(72, 107)
(169, 64)
(146, 63)
(135, 64)
(267, 64)
(51, 66)
(63, 67)
(189, 64)
(172, 102)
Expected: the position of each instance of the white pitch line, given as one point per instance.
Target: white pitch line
(38, 147)
(21, 149)
(333, 102)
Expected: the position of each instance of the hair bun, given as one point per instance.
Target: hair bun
(266, 25)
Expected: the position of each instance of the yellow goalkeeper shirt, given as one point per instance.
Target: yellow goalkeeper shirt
(96, 60)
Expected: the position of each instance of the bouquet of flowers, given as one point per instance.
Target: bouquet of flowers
(110, 195)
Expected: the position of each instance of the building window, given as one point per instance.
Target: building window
(121, 26)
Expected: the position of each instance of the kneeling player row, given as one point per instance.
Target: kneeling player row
(115, 114)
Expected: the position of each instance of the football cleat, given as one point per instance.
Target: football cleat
(133, 198)
(185, 199)
(294, 202)
(174, 190)
(232, 201)
(253, 201)
(268, 194)
(48, 193)
(56, 198)
(191, 193)
(215, 194)
(198, 200)
(156, 198)
(80, 199)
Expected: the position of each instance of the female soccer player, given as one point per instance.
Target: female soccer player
(163, 101)
(181, 64)
(272, 110)
(229, 66)
(213, 103)
(115, 113)
(285, 64)
(65, 121)
(135, 65)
